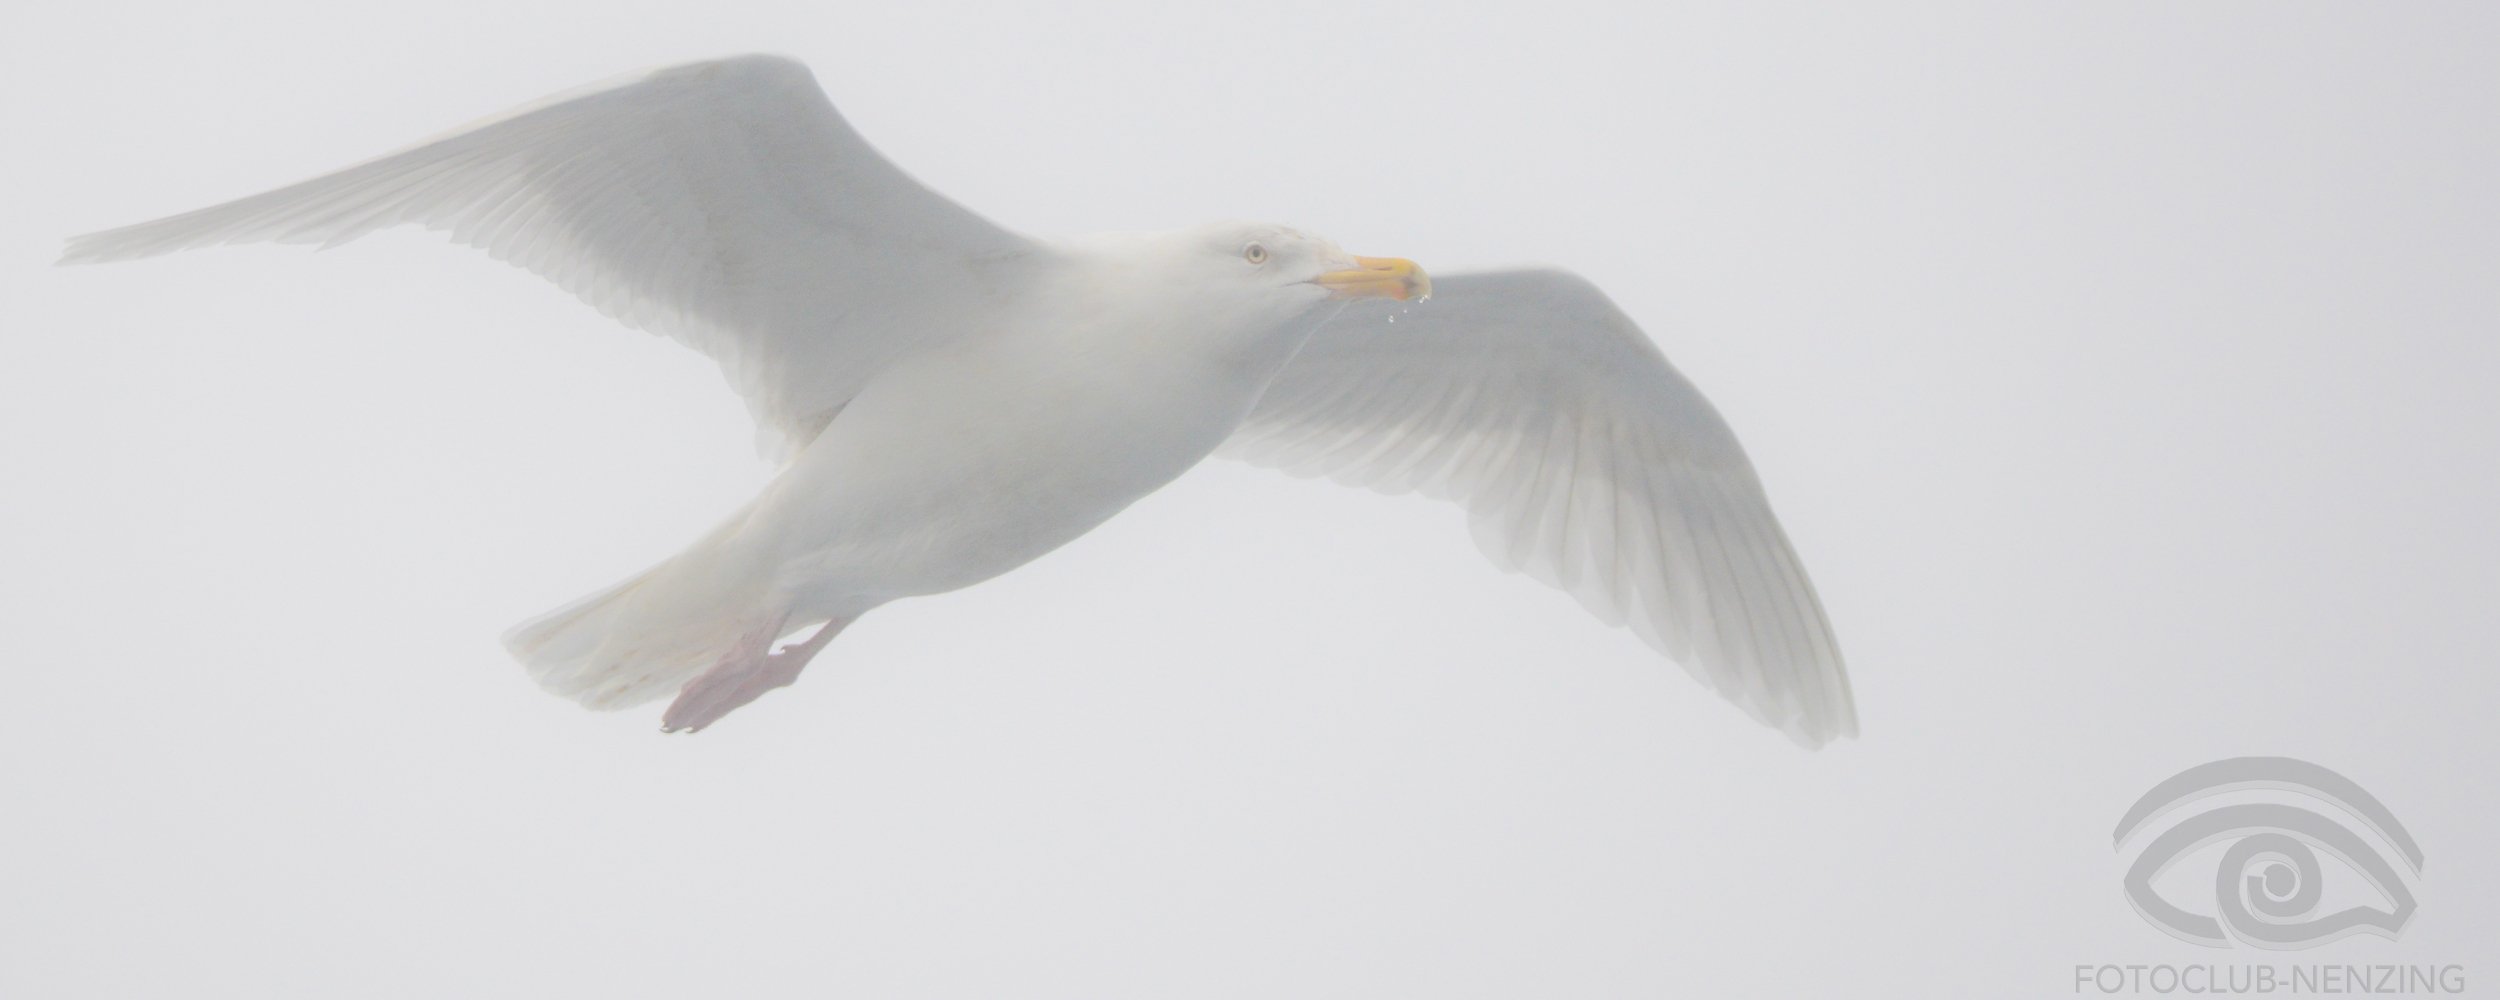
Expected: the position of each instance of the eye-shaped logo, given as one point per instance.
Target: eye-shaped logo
(2268, 887)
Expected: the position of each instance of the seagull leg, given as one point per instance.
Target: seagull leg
(743, 674)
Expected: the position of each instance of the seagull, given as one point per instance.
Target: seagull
(948, 400)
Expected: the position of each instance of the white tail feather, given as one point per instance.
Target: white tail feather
(621, 647)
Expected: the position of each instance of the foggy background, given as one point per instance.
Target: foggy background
(2122, 373)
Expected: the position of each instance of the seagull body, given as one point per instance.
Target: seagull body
(1047, 416)
(950, 400)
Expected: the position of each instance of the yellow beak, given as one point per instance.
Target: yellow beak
(1378, 278)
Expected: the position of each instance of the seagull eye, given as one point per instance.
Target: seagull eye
(1254, 253)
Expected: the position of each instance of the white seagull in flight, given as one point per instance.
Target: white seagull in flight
(949, 399)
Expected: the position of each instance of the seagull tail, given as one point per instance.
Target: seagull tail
(625, 645)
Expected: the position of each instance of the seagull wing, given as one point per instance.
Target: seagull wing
(723, 204)
(1583, 458)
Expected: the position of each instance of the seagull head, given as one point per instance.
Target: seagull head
(1270, 267)
(1247, 289)
(1296, 261)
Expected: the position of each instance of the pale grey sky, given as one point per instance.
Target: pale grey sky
(2122, 372)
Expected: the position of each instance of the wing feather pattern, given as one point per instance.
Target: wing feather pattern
(724, 204)
(1582, 458)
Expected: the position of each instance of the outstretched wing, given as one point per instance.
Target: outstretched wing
(1583, 458)
(724, 204)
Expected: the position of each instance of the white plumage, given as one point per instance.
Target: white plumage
(1582, 459)
(951, 400)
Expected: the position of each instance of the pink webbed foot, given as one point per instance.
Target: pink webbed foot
(742, 675)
